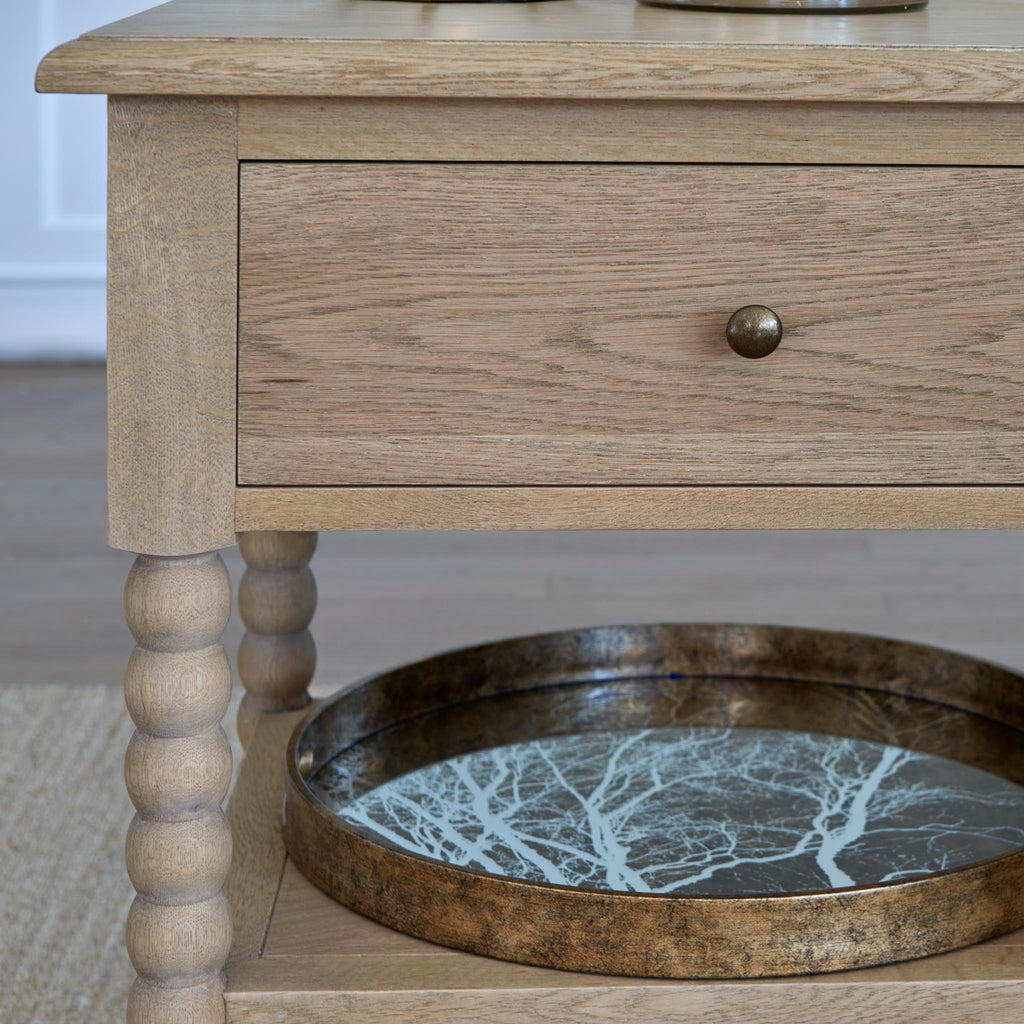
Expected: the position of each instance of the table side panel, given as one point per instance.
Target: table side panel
(629, 508)
(172, 301)
(653, 131)
(977, 1002)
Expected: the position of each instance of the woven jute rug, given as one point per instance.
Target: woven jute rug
(64, 893)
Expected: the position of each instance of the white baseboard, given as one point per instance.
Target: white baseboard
(51, 321)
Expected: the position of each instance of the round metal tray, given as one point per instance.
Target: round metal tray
(673, 801)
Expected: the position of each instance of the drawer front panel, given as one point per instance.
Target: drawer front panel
(565, 324)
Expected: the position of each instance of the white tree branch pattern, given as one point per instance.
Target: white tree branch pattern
(695, 811)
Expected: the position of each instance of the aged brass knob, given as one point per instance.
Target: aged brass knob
(754, 332)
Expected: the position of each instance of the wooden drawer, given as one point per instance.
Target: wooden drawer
(565, 324)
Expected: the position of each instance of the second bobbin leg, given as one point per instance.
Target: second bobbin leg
(276, 600)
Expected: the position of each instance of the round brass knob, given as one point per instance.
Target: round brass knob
(754, 332)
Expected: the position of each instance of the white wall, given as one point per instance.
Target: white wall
(52, 189)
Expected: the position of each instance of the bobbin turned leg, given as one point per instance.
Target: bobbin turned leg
(276, 600)
(177, 769)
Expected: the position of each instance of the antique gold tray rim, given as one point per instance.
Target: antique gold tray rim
(309, 825)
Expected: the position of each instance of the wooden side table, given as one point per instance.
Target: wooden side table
(391, 266)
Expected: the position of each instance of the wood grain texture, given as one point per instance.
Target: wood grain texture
(630, 508)
(279, 128)
(590, 48)
(602, 70)
(177, 771)
(309, 993)
(276, 601)
(172, 235)
(254, 814)
(499, 324)
(308, 922)
(992, 23)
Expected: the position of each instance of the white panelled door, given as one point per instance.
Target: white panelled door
(52, 188)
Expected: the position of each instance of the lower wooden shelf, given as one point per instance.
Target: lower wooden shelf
(299, 956)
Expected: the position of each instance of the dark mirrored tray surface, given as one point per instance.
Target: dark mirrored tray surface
(673, 801)
(705, 810)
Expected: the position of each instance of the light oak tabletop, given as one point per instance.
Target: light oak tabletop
(944, 23)
(952, 50)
